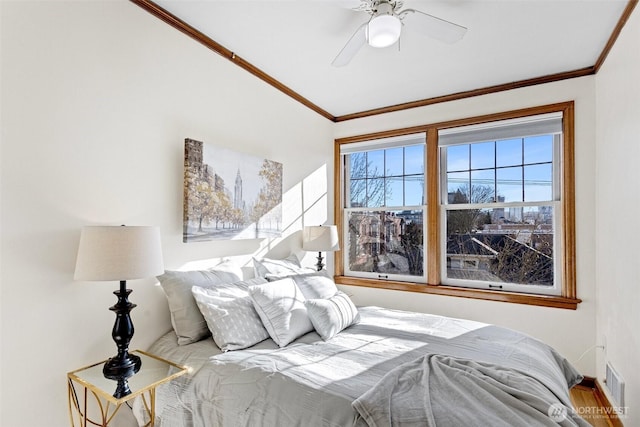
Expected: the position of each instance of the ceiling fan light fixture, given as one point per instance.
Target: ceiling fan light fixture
(383, 30)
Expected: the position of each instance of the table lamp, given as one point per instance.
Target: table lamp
(120, 253)
(321, 238)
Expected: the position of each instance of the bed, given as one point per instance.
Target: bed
(386, 367)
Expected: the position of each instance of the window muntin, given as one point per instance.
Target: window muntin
(385, 210)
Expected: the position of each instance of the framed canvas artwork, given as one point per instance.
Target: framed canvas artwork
(229, 195)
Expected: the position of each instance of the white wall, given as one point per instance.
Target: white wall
(571, 332)
(97, 98)
(617, 208)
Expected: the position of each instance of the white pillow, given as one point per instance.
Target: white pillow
(313, 285)
(186, 319)
(280, 305)
(279, 267)
(330, 316)
(229, 313)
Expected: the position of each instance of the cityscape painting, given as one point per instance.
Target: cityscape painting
(229, 195)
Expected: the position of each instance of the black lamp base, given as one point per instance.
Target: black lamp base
(121, 367)
(122, 389)
(319, 264)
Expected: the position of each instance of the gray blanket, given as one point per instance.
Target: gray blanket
(437, 390)
(313, 383)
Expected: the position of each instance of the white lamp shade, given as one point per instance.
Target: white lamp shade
(119, 253)
(383, 30)
(320, 238)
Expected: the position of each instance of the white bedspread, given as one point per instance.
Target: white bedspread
(313, 383)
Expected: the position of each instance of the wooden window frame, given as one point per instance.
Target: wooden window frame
(568, 298)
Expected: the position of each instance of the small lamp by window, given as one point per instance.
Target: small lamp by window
(321, 238)
(112, 253)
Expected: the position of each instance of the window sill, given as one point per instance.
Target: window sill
(503, 296)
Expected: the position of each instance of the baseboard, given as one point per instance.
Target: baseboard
(603, 400)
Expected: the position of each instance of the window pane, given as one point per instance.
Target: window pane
(506, 245)
(414, 190)
(509, 185)
(537, 183)
(483, 155)
(458, 186)
(358, 165)
(393, 162)
(483, 186)
(394, 192)
(375, 192)
(458, 158)
(414, 159)
(538, 149)
(358, 193)
(387, 242)
(375, 163)
(509, 152)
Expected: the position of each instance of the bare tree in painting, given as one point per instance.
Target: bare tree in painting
(198, 196)
(220, 208)
(237, 217)
(270, 195)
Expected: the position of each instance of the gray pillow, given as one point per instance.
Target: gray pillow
(230, 315)
(330, 316)
(313, 285)
(280, 267)
(186, 318)
(280, 306)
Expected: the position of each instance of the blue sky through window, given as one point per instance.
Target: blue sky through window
(514, 170)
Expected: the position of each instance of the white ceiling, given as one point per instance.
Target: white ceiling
(294, 42)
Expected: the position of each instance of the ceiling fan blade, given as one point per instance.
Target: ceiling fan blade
(433, 26)
(357, 40)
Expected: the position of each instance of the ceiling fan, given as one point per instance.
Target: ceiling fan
(385, 24)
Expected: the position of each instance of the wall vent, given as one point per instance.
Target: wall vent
(615, 384)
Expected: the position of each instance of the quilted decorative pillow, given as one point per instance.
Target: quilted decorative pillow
(330, 316)
(280, 305)
(279, 267)
(313, 285)
(186, 318)
(229, 313)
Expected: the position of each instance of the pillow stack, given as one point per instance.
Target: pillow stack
(284, 302)
(329, 311)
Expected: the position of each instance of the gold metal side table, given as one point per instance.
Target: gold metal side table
(90, 381)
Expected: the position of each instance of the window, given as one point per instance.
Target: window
(480, 207)
(384, 208)
(500, 204)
